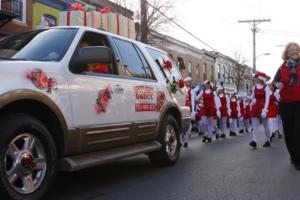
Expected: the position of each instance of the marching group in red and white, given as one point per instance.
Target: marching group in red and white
(215, 112)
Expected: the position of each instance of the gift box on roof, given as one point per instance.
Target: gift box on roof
(123, 26)
(131, 29)
(95, 19)
(113, 22)
(104, 22)
(76, 16)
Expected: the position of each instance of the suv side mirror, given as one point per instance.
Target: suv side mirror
(90, 55)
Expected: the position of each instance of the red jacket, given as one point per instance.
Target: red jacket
(289, 93)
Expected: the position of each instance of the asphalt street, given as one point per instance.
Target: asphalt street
(223, 170)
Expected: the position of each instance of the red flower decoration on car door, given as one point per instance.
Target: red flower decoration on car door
(41, 80)
(103, 99)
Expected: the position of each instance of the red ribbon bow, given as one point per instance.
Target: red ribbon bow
(168, 65)
(76, 6)
(180, 83)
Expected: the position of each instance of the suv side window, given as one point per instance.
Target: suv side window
(146, 65)
(90, 39)
(157, 55)
(133, 65)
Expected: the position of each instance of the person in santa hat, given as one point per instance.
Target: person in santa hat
(241, 113)
(271, 109)
(211, 107)
(247, 116)
(257, 103)
(201, 121)
(287, 79)
(280, 126)
(189, 98)
(233, 115)
(224, 109)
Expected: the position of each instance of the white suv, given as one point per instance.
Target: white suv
(76, 97)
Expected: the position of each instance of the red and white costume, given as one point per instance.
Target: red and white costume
(224, 107)
(247, 117)
(241, 114)
(257, 105)
(233, 117)
(211, 105)
(188, 102)
(270, 110)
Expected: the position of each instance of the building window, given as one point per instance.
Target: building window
(190, 69)
(16, 5)
(197, 72)
(205, 71)
(50, 19)
(180, 63)
(212, 73)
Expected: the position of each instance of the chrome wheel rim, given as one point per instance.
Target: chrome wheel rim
(25, 163)
(171, 140)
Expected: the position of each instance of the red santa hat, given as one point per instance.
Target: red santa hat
(260, 75)
(187, 79)
(207, 82)
(220, 88)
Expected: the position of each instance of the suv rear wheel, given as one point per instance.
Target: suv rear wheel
(27, 157)
(170, 141)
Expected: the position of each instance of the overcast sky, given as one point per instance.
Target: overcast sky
(215, 22)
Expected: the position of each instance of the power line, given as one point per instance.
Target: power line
(181, 27)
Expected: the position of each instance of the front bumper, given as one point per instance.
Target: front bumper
(186, 122)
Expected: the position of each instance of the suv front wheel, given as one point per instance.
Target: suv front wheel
(169, 138)
(27, 157)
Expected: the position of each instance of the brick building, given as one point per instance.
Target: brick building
(15, 16)
(191, 61)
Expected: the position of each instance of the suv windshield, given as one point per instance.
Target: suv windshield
(39, 45)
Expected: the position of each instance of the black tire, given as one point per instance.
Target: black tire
(41, 163)
(162, 157)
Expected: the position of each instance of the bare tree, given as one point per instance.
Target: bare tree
(153, 16)
(150, 16)
(239, 67)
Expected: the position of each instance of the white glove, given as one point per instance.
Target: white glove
(229, 112)
(193, 115)
(253, 102)
(264, 113)
(218, 114)
(279, 85)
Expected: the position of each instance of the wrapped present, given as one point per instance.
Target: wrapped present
(104, 22)
(131, 29)
(76, 16)
(105, 10)
(95, 19)
(89, 8)
(113, 22)
(123, 25)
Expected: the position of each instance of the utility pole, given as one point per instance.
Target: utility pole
(254, 23)
(144, 21)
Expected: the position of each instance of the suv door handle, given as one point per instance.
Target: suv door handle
(118, 89)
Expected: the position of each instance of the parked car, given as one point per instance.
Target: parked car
(77, 97)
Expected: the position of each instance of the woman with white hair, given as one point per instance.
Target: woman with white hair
(287, 79)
